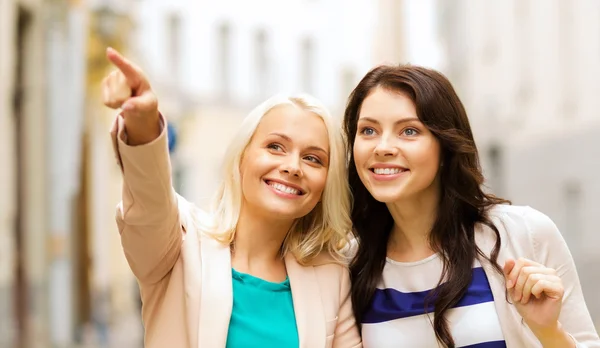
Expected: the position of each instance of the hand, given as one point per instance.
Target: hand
(128, 88)
(536, 292)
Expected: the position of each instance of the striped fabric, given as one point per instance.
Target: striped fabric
(397, 316)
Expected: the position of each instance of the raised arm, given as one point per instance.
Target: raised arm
(148, 216)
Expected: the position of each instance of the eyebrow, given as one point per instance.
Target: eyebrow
(402, 120)
(313, 147)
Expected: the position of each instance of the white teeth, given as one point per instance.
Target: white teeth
(386, 171)
(283, 188)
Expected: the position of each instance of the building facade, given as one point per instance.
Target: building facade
(526, 70)
(62, 281)
(22, 206)
(212, 64)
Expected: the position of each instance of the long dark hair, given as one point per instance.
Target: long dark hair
(463, 203)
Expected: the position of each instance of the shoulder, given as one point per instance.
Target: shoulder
(508, 211)
(194, 220)
(331, 271)
(524, 220)
(325, 260)
(525, 224)
(327, 265)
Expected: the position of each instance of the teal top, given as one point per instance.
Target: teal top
(262, 314)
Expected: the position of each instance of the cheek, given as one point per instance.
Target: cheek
(318, 181)
(428, 160)
(255, 164)
(361, 154)
(250, 171)
(243, 182)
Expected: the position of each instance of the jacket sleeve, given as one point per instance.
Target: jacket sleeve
(551, 250)
(346, 331)
(147, 216)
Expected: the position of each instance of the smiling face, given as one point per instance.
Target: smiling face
(396, 156)
(284, 167)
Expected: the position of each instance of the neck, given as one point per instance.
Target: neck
(413, 222)
(257, 245)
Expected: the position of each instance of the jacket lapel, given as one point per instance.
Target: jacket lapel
(310, 318)
(216, 298)
(190, 253)
(510, 321)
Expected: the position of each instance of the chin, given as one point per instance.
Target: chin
(387, 197)
(283, 212)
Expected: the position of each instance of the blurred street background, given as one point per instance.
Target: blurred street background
(527, 70)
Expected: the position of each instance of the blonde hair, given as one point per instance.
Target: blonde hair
(326, 227)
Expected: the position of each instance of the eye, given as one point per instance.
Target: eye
(367, 131)
(275, 146)
(410, 132)
(313, 159)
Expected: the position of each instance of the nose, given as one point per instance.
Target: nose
(385, 148)
(292, 167)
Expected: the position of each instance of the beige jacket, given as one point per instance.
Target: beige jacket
(527, 233)
(185, 276)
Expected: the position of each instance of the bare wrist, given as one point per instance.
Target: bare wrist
(554, 336)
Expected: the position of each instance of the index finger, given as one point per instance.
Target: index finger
(128, 69)
(508, 266)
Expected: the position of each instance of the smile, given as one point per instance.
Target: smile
(387, 173)
(285, 189)
(388, 170)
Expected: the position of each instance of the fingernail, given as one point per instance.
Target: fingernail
(509, 284)
(127, 107)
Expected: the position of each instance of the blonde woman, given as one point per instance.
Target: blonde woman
(264, 268)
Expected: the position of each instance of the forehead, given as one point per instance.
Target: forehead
(301, 126)
(383, 105)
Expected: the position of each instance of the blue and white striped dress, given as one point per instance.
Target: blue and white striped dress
(396, 317)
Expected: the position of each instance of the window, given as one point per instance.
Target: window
(523, 30)
(173, 44)
(307, 68)
(572, 229)
(490, 50)
(496, 176)
(223, 59)
(347, 84)
(262, 69)
(566, 57)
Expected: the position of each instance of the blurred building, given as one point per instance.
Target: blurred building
(109, 310)
(527, 71)
(22, 180)
(212, 64)
(61, 277)
(390, 35)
